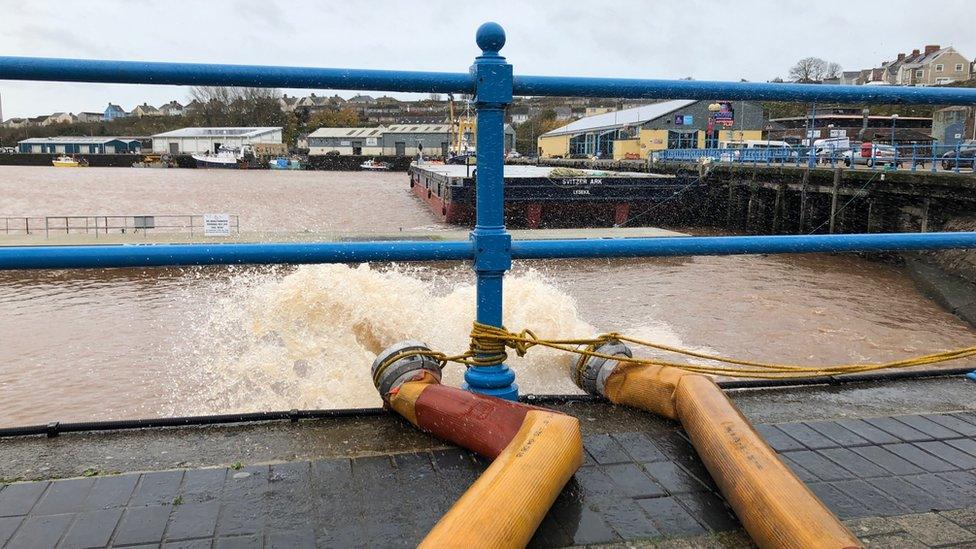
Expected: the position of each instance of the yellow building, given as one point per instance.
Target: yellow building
(638, 131)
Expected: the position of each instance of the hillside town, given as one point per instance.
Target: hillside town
(441, 126)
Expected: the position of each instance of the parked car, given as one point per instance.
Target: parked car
(463, 159)
(870, 154)
(966, 156)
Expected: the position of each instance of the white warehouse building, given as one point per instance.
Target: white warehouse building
(201, 140)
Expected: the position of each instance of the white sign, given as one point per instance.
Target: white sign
(216, 224)
(813, 133)
(838, 133)
(371, 141)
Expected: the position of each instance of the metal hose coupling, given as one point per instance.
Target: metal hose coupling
(592, 371)
(400, 363)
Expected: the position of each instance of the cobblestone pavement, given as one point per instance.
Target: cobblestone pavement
(904, 481)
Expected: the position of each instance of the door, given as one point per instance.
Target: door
(174, 148)
(444, 146)
(216, 147)
(401, 148)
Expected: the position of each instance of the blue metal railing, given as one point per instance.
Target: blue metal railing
(490, 247)
(912, 156)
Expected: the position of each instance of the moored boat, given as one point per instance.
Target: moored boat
(65, 161)
(372, 164)
(282, 163)
(226, 158)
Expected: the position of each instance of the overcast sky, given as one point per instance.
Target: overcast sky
(704, 39)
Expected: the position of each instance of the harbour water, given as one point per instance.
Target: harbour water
(124, 343)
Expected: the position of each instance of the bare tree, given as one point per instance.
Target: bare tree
(833, 70)
(808, 69)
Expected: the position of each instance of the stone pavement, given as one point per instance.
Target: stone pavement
(903, 481)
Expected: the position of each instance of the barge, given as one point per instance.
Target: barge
(538, 194)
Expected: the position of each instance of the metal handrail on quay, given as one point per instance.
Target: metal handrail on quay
(107, 224)
(492, 84)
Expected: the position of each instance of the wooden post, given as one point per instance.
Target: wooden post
(778, 206)
(926, 202)
(833, 200)
(874, 215)
(751, 207)
(730, 211)
(803, 202)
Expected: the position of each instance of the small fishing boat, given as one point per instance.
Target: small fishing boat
(155, 161)
(282, 163)
(226, 158)
(65, 161)
(373, 165)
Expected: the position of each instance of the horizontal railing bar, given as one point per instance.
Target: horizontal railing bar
(196, 74)
(203, 74)
(162, 255)
(158, 255)
(739, 245)
(626, 88)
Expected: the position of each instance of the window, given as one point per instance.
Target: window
(940, 67)
(918, 73)
(958, 67)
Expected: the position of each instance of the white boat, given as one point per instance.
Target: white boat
(65, 161)
(226, 158)
(374, 165)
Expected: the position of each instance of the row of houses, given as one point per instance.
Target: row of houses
(931, 65)
(111, 112)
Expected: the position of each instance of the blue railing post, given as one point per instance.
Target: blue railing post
(492, 243)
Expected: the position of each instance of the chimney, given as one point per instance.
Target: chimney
(931, 48)
(901, 56)
(915, 53)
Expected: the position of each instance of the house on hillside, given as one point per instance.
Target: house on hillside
(113, 111)
(16, 122)
(59, 118)
(89, 117)
(173, 108)
(145, 110)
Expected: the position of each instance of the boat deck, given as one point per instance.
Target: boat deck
(531, 172)
(903, 480)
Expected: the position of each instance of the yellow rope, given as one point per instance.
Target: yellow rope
(488, 348)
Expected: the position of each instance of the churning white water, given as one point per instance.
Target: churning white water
(306, 339)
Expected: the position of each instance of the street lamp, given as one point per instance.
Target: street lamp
(894, 146)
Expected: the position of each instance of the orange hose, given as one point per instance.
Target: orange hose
(535, 451)
(774, 506)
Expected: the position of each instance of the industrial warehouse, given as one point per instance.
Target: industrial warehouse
(202, 140)
(399, 140)
(634, 133)
(80, 145)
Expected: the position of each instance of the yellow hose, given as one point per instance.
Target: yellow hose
(774, 506)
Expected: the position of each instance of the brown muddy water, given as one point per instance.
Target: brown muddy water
(125, 343)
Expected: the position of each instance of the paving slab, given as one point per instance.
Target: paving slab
(642, 485)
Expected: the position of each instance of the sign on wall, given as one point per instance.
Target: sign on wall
(216, 224)
(371, 142)
(725, 116)
(684, 120)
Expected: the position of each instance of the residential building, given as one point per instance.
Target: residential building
(145, 110)
(88, 117)
(80, 145)
(173, 108)
(518, 115)
(59, 118)
(113, 111)
(934, 66)
(636, 132)
(200, 140)
(361, 100)
(563, 113)
(16, 122)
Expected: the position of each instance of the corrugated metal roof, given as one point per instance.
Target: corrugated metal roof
(219, 132)
(625, 117)
(419, 128)
(348, 132)
(81, 140)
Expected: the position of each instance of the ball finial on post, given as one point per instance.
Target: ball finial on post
(490, 37)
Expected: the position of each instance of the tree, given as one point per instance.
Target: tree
(343, 118)
(809, 69)
(833, 70)
(527, 133)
